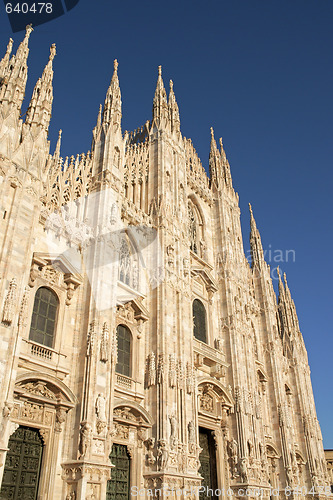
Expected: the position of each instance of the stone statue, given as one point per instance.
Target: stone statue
(232, 449)
(162, 454)
(150, 443)
(100, 407)
(191, 432)
(173, 433)
(243, 470)
(85, 439)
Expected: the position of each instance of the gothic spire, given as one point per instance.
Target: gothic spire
(12, 87)
(225, 164)
(160, 105)
(56, 154)
(257, 252)
(214, 158)
(173, 110)
(40, 107)
(281, 287)
(4, 63)
(112, 104)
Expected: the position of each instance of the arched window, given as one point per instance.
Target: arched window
(124, 339)
(44, 317)
(199, 321)
(128, 263)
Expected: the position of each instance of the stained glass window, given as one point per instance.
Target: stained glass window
(44, 317)
(199, 321)
(124, 338)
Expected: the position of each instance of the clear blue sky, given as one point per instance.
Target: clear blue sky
(260, 73)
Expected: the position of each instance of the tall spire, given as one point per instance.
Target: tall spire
(40, 107)
(58, 146)
(12, 87)
(257, 252)
(160, 105)
(4, 63)
(173, 110)
(214, 158)
(112, 104)
(281, 287)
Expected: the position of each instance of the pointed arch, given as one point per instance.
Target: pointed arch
(219, 389)
(59, 388)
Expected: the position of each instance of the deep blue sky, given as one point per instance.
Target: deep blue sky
(260, 73)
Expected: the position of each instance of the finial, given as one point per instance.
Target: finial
(285, 278)
(60, 132)
(221, 143)
(212, 132)
(9, 46)
(160, 71)
(115, 65)
(171, 85)
(250, 208)
(53, 52)
(278, 272)
(28, 30)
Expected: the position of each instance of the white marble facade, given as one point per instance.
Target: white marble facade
(205, 342)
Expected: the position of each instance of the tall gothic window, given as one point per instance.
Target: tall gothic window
(44, 317)
(124, 338)
(199, 321)
(128, 263)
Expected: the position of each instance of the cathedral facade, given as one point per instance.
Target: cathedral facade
(168, 373)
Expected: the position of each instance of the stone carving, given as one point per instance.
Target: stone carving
(151, 370)
(121, 431)
(104, 346)
(243, 470)
(91, 340)
(232, 448)
(39, 388)
(172, 370)
(9, 304)
(23, 308)
(32, 411)
(160, 369)
(150, 443)
(206, 402)
(71, 495)
(189, 378)
(126, 413)
(85, 440)
(7, 409)
(162, 454)
(100, 405)
(141, 434)
(173, 431)
(60, 418)
(192, 437)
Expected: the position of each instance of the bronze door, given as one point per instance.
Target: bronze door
(118, 488)
(22, 467)
(208, 463)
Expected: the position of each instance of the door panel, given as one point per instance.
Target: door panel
(22, 467)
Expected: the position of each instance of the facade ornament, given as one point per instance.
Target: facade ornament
(162, 454)
(60, 418)
(189, 378)
(9, 304)
(232, 448)
(85, 440)
(71, 495)
(91, 341)
(150, 443)
(7, 410)
(160, 369)
(104, 346)
(100, 406)
(141, 434)
(114, 348)
(191, 436)
(151, 370)
(243, 470)
(23, 308)
(172, 370)
(173, 431)
(39, 389)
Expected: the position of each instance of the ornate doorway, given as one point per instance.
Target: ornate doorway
(207, 459)
(118, 487)
(22, 467)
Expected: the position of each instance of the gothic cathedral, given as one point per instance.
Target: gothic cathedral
(193, 385)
